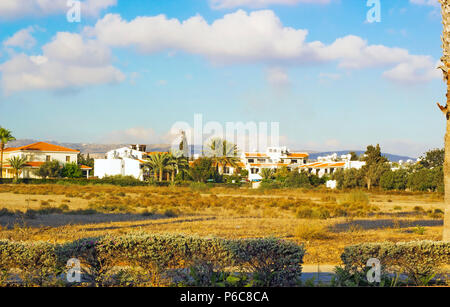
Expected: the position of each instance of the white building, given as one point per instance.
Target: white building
(326, 166)
(125, 161)
(274, 158)
(37, 154)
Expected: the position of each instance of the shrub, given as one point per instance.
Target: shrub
(265, 262)
(311, 232)
(419, 260)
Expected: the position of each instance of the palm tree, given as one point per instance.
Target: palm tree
(17, 163)
(158, 163)
(267, 173)
(5, 137)
(222, 153)
(445, 68)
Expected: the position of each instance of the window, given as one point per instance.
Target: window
(251, 160)
(294, 161)
(261, 160)
(254, 170)
(226, 170)
(67, 159)
(47, 158)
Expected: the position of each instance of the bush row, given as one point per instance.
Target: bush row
(419, 261)
(168, 259)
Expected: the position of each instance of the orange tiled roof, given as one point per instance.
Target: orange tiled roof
(85, 167)
(42, 146)
(298, 155)
(28, 164)
(256, 155)
(324, 165)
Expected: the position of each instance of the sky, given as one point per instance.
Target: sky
(130, 69)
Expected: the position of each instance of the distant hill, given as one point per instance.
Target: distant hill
(97, 150)
(391, 157)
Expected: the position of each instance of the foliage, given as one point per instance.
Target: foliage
(5, 137)
(71, 170)
(418, 260)
(50, 169)
(376, 166)
(394, 180)
(433, 158)
(17, 163)
(162, 258)
(202, 170)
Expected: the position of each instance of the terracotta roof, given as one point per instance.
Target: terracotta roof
(298, 155)
(268, 164)
(85, 167)
(42, 146)
(256, 155)
(29, 164)
(324, 165)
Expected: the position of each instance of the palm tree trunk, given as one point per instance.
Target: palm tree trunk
(2, 147)
(446, 62)
(160, 175)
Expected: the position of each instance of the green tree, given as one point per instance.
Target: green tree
(202, 170)
(267, 173)
(222, 153)
(159, 163)
(72, 170)
(394, 180)
(376, 165)
(85, 160)
(433, 158)
(354, 156)
(17, 163)
(50, 169)
(5, 138)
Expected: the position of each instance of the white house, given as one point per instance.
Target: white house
(37, 154)
(328, 165)
(274, 158)
(125, 161)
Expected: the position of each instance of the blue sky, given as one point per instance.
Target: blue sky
(126, 74)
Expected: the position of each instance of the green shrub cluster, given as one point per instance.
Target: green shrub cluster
(168, 259)
(419, 260)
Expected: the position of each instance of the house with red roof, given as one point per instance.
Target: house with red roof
(37, 154)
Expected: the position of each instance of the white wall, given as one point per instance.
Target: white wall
(113, 167)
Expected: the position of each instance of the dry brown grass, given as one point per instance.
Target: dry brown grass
(229, 213)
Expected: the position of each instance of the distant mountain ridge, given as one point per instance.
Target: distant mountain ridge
(98, 150)
(391, 157)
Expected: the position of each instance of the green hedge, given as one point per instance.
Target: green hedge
(419, 260)
(170, 259)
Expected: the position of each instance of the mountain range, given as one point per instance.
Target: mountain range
(98, 150)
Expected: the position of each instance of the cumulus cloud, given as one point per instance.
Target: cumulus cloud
(259, 36)
(22, 39)
(67, 62)
(229, 4)
(12, 9)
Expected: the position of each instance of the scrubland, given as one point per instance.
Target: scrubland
(324, 221)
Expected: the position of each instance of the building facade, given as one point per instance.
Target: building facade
(37, 154)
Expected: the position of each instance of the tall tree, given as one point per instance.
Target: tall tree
(5, 137)
(445, 4)
(159, 163)
(433, 158)
(376, 165)
(17, 163)
(222, 153)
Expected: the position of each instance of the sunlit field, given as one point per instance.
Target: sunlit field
(324, 221)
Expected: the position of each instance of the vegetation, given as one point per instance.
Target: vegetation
(17, 164)
(160, 260)
(5, 138)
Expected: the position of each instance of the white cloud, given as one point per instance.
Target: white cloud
(137, 135)
(258, 36)
(277, 77)
(22, 39)
(425, 2)
(229, 4)
(12, 9)
(68, 62)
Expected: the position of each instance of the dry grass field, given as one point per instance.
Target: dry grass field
(325, 221)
